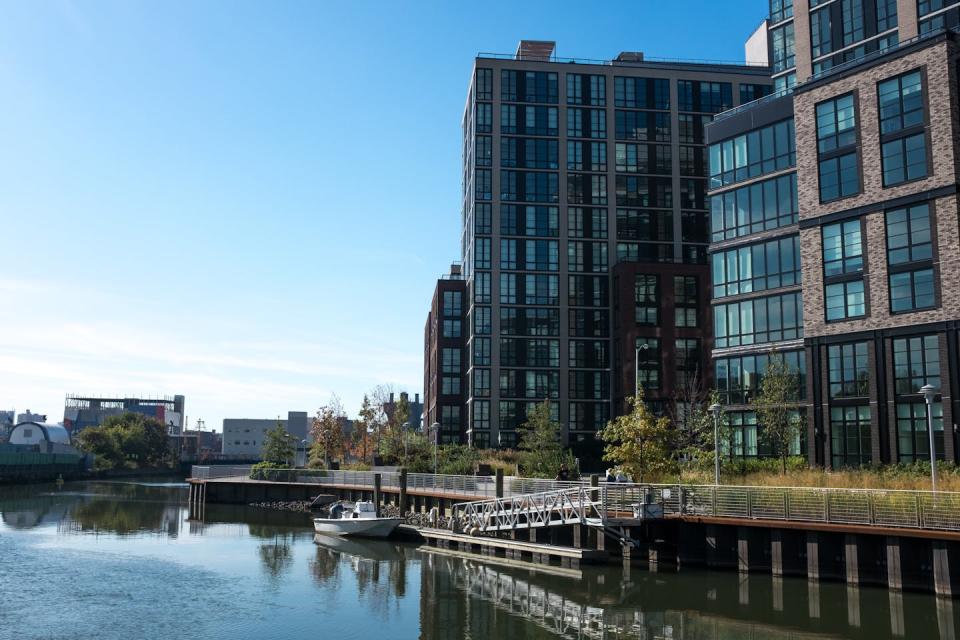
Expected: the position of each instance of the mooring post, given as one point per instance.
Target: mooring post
(851, 558)
(941, 569)
(498, 483)
(894, 572)
(595, 536)
(377, 478)
(403, 493)
(813, 556)
(776, 553)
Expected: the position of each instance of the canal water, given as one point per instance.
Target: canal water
(121, 560)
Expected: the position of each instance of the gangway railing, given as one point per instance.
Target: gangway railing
(570, 505)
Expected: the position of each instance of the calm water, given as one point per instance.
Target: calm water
(121, 560)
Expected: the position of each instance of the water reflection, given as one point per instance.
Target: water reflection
(691, 606)
(96, 507)
(275, 560)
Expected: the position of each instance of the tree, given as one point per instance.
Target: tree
(778, 419)
(543, 454)
(327, 432)
(639, 442)
(362, 427)
(278, 447)
(131, 440)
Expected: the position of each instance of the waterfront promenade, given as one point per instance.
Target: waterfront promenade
(904, 540)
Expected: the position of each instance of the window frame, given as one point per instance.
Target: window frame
(902, 133)
(835, 154)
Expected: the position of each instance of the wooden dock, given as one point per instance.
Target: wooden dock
(544, 554)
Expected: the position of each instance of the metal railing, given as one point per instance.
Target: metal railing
(625, 62)
(202, 472)
(571, 505)
(746, 106)
(870, 507)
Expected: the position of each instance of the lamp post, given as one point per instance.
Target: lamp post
(406, 427)
(929, 391)
(636, 367)
(715, 410)
(435, 427)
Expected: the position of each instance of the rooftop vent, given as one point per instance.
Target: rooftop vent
(535, 49)
(455, 269)
(630, 56)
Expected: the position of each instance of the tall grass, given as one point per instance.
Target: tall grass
(915, 476)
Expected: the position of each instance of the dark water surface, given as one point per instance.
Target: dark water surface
(121, 560)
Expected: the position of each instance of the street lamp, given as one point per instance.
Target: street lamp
(435, 427)
(715, 409)
(406, 427)
(929, 391)
(636, 367)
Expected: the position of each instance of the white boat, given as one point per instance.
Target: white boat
(362, 520)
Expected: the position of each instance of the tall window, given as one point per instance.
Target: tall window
(783, 48)
(450, 361)
(452, 303)
(852, 19)
(910, 259)
(903, 139)
(687, 362)
(887, 15)
(648, 364)
(842, 262)
(646, 299)
(913, 442)
(820, 32)
(850, 436)
(484, 84)
(780, 10)
(685, 301)
(916, 362)
(849, 371)
(842, 248)
(836, 145)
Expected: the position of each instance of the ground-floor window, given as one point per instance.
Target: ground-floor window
(912, 439)
(850, 436)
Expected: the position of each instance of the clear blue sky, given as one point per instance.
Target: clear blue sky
(249, 202)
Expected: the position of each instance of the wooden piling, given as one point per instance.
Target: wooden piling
(377, 495)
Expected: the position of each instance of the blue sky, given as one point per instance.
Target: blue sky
(249, 202)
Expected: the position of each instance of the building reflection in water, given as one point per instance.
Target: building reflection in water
(464, 597)
(114, 507)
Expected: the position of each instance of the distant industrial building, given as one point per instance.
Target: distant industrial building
(80, 412)
(7, 420)
(244, 436)
(29, 416)
(51, 438)
(415, 417)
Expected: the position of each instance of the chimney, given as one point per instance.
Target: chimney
(391, 398)
(416, 397)
(536, 50)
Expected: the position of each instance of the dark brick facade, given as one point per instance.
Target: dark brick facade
(627, 330)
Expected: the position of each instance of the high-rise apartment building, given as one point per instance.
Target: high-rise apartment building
(571, 168)
(871, 223)
(445, 359)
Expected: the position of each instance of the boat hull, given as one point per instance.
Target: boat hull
(364, 527)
